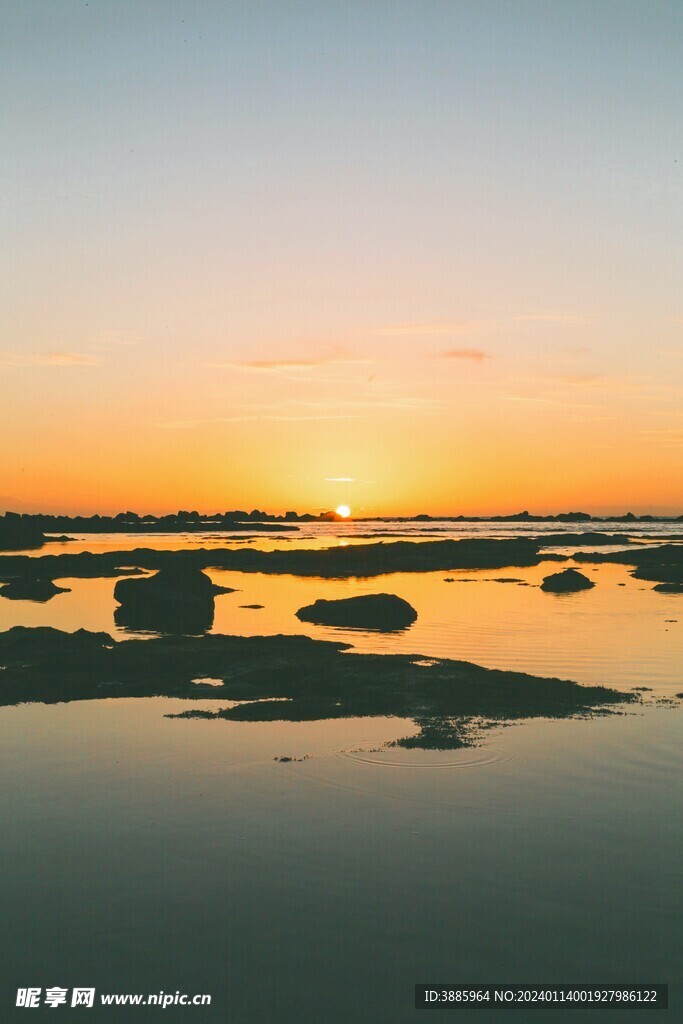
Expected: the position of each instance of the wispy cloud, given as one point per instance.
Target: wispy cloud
(297, 412)
(106, 341)
(331, 356)
(339, 479)
(552, 318)
(600, 381)
(595, 381)
(50, 359)
(272, 365)
(255, 418)
(468, 325)
(475, 355)
(428, 328)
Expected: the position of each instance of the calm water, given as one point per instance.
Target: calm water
(142, 853)
(314, 535)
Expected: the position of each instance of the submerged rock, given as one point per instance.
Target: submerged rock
(383, 612)
(566, 582)
(178, 599)
(31, 590)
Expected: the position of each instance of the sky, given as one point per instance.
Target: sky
(409, 257)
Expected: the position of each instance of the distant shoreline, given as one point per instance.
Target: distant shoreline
(257, 521)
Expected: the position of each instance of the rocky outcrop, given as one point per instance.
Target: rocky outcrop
(318, 679)
(566, 582)
(359, 560)
(382, 612)
(178, 599)
(18, 535)
(31, 590)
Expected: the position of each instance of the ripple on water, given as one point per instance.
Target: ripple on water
(468, 757)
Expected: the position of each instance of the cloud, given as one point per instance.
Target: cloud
(254, 418)
(597, 381)
(67, 359)
(552, 318)
(108, 340)
(331, 356)
(273, 365)
(297, 412)
(466, 326)
(51, 359)
(428, 328)
(604, 382)
(476, 355)
(586, 380)
(339, 479)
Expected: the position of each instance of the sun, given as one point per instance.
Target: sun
(343, 511)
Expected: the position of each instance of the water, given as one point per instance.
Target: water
(318, 535)
(142, 853)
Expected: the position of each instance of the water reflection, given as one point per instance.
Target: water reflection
(145, 853)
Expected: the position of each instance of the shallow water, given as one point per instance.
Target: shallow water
(319, 535)
(143, 853)
(146, 853)
(621, 633)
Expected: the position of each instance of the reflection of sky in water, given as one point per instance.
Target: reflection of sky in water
(315, 535)
(149, 853)
(613, 634)
(146, 853)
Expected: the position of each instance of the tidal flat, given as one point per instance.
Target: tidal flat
(283, 798)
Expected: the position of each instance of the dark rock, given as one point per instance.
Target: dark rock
(660, 563)
(382, 612)
(319, 680)
(31, 590)
(566, 582)
(16, 534)
(175, 600)
(560, 540)
(359, 560)
(255, 607)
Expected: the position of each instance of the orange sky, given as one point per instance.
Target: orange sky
(405, 259)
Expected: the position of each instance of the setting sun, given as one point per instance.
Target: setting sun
(343, 510)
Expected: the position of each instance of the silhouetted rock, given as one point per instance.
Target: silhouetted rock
(177, 599)
(362, 560)
(131, 522)
(662, 563)
(593, 537)
(382, 612)
(16, 534)
(669, 588)
(566, 582)
(449, 699)
(573, 517)
(31, 590)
